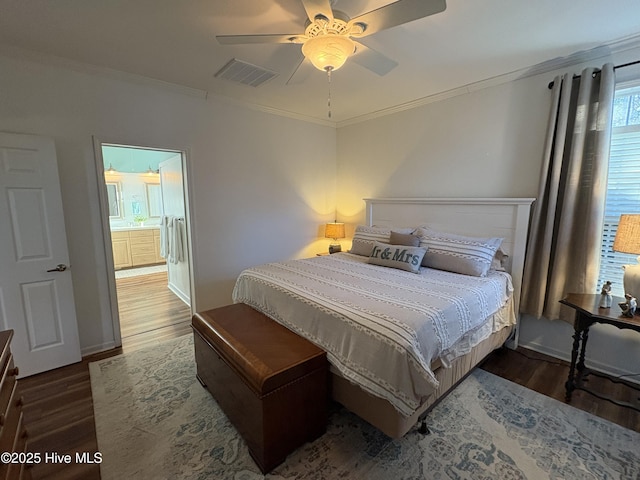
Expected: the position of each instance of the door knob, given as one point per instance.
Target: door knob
(60, 268)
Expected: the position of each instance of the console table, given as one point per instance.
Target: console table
(588, 312)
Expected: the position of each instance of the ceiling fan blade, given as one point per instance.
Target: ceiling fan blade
(248, 39)
(317, 7)
(303, 70)
(397, 13)
(373, 60)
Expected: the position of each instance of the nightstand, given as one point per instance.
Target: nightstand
(588, 312)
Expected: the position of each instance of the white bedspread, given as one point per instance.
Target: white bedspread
(381, 327)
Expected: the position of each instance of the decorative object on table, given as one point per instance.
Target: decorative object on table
(606, 299)
(629, 307)
(334, 230)
(628, 241)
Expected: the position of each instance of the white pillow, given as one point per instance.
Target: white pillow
(402, 257)
(364, 237)
(457, 253)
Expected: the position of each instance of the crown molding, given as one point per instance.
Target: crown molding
(603, 51)
(87, 68)
(270, 110)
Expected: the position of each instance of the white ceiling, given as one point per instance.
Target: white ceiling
(174, 41)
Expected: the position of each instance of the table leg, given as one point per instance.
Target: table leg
(583, 348)
(570, 385)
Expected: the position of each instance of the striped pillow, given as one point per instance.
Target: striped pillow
(457, 253)
(364, 237)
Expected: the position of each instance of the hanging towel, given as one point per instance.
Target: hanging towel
(165, 225)
(176, 241)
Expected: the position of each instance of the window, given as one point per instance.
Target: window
(623, 188)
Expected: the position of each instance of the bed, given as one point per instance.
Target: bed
(403, 324)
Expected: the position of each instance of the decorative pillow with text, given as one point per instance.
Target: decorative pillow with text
(397, 256)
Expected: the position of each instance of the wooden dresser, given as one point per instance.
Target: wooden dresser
(13, 436)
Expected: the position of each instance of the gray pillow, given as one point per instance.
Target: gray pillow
(397, 256)
(397, 238)
(457, 253)
(364, 237)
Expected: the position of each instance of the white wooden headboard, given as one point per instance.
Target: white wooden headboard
(480, 217)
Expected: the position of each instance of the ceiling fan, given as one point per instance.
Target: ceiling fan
(328, 39)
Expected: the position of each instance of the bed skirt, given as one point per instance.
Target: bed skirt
(381, 414)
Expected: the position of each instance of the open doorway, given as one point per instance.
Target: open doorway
(148, 231)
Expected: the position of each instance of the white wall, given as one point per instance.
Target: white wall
(258, 193)
(487, 143)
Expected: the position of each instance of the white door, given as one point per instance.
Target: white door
(35, 302)
(173, 205)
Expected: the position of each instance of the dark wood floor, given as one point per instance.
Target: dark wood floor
(58, 405)
(547, 375)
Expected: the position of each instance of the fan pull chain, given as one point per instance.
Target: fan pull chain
(329, 98)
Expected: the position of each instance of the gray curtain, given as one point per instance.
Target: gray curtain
(566, 228)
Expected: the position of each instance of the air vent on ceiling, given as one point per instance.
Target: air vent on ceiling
(247, 74)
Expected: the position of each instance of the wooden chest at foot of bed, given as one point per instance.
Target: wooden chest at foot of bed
(271, 383)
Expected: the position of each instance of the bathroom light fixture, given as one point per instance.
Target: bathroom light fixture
(151, 171)
(110, 170)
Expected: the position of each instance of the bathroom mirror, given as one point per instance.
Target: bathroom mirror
(154, 199)
(114, 199)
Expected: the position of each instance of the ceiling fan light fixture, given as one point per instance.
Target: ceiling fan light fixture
(328, 52)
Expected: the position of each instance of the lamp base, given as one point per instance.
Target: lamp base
(632, 279)
(335, 247)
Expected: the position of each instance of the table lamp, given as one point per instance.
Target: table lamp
(628, 241)
(334, 230)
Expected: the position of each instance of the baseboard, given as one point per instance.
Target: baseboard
(594, 365)
(101, 347)
(180, 294)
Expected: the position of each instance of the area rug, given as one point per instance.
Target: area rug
(155, 421)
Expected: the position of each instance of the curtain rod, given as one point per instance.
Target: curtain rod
(615, 68)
